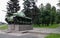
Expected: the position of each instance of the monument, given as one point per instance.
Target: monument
(20, 21)
(17, 21)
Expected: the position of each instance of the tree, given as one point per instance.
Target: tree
(53, 14)
(58, 16)
(35, 16)
(58, 13)
(27, 7)
(41, 16)
(31, 10)
(12, 7)
(59, 3)
(48, 6)
(47, 14)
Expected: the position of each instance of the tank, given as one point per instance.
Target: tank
(19, 18)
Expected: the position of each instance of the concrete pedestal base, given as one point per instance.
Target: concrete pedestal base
(13, 27)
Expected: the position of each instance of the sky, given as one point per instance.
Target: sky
(3, 5)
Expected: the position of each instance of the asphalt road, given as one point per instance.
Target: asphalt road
(24, 36)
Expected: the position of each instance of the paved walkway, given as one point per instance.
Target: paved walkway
(45, 30)
(21, 35)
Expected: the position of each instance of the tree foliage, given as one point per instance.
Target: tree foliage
(31, 10)
(12, 7)
(48, 15)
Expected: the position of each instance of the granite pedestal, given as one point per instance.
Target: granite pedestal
(12, 27)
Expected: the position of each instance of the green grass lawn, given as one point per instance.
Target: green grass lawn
(53, 36)
(50, 26)
(3, 27)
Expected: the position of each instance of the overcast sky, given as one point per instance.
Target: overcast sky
(3, 4)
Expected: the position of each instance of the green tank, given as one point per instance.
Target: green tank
(19, 17)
